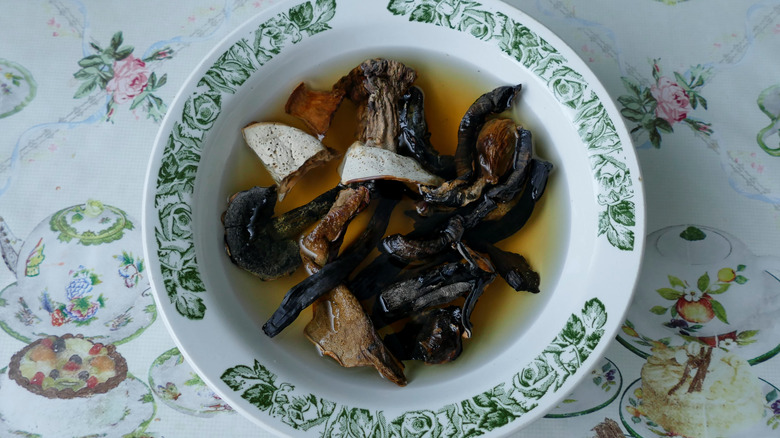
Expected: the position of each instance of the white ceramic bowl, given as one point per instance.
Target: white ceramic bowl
(528, 352)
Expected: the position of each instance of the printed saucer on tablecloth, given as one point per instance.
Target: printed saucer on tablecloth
(17, 88)
(126, 409)
(179, 387)
(594, 393)
(638, 425)
(81, 271)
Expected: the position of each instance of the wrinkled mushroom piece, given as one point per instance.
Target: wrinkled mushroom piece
(263, 245)
(415, 245)
(497, 147)
(246, 242)
(341, 330)
(485, 274)
(512, 267)
(377, 87)
(315, 108)
(408, 248)
(286, 152)
(432, 287)
(317, 249)
(514, 218)
(495, 101)
(434, 336)
(321, 245)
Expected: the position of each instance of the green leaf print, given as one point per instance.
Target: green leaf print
(237, 377)
(676, 282)
(623, 213)
(669, 293)
(659, 310)
(260, 395)
(494, 408)
(703, 283)
(302, 15)
(719, 310)
(574, 331)
(189, 305)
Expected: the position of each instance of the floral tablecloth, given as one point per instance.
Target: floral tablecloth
(84, 86)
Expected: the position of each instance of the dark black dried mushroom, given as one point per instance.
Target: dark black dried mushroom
(264, 245)
(415, 139)
(512, 267)
(409, 249)
(493, 102)
(420, 246)
(431, 287)
(427, 281)
(434, 337)
(504, 150)
(517, 215)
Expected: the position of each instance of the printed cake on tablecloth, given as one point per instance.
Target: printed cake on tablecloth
(700, 391)
(67, 366)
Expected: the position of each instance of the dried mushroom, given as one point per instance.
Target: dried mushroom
(491, 146)
(422, 287)
(434, 336)
(341, 329)
(286, 152)
(339, 326)
(315, 108)
(415, 139)
(377, 87)
(366, 163)
(495, 101)
(263, 245)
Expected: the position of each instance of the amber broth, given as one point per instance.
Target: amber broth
(450, 87)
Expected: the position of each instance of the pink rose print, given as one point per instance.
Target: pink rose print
(673, 102)
(668, 101)
(124, 78)
(130, 78)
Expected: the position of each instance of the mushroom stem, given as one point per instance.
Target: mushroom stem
(292, 223)
(377, 86)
